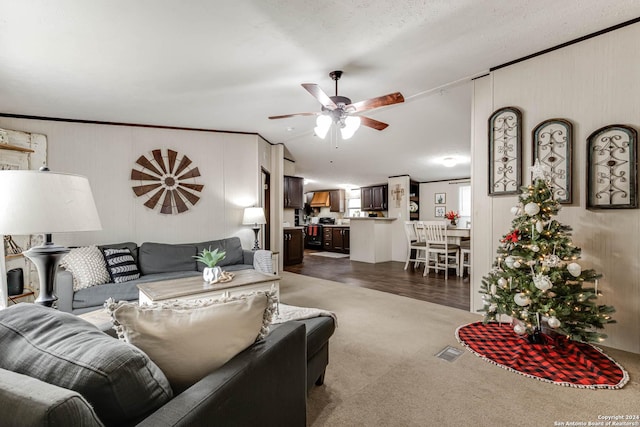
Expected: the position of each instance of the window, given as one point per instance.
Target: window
(465, 200)
(353, 203)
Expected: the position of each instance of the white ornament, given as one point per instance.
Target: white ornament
(516, 264)
(502, 282)
(575, 269)
(521, 299)
(531, 208)
(542, 282)
(538, 171)
(515, 210)
(553, 322)
(535, 248)
(493, 289)
(519, 329)
(492, 308)
(551, 260)
(540, 226)
(509, 261)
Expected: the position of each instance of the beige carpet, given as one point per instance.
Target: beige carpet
(383, 370)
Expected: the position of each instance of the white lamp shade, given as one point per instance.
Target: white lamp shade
(323, 123)
(351, 125)
(36, 202)
(253, 216)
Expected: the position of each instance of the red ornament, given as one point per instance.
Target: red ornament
(511, 237)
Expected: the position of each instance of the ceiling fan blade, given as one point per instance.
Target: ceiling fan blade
(375, 124)
(319, 94)
(381, 101)
(293, 115)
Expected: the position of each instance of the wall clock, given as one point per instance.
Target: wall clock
(167, 181)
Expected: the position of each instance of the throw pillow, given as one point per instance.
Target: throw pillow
(117, 379)
(87, 266)
(121, 265)
(190, 339)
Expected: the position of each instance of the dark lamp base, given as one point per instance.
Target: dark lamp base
(46, 258)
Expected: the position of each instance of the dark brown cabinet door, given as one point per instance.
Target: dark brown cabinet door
(337, 239)
(380, 198)
(374, 198)
(346, 239)
(366, 198)
(293, 247)
(337, 200)
(293, 192)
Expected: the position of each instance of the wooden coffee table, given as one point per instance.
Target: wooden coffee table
(190, 288)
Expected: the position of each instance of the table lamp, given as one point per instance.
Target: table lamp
(43, 202)
(255, 217)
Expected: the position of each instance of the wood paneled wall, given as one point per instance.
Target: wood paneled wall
(592, 83)
(230, 167)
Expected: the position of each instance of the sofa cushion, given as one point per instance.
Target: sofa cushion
(232, 246)
(87, 266)
(47, 404)
(128, 291)
(118, 380)
(121, 265)
(164, 258)
(190, 339)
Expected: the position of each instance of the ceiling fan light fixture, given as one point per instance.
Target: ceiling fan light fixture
(323, 123)
(449, 162)
(351, 125)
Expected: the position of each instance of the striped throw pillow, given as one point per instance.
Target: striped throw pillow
(121, 265)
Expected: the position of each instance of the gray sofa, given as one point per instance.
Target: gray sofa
(156, 261)
(57, 369)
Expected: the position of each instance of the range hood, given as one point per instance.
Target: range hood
(320, 199)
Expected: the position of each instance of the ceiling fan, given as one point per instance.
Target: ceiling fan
(341, 111)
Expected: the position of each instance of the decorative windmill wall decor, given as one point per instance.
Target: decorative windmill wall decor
(168, 181)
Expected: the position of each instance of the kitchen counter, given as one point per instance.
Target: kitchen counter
(334, 225)
(371, 239)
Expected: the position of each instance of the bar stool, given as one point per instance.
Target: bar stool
(465, 257)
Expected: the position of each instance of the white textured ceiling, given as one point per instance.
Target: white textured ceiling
(228, 65)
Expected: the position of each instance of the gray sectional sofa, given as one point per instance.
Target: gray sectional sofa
(156, 261)
(57, 369)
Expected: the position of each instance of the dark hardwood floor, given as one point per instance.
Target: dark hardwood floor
(388, 277)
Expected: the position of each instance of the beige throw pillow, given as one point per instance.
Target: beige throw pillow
(190, 339)
(87, 266)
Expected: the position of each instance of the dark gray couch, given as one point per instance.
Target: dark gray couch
(156, 261)
(76, 375)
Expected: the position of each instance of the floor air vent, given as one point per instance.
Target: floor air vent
(450, 354)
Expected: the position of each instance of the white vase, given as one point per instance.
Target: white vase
(211, 274)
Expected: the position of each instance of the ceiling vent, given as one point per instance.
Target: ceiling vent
(320, 199)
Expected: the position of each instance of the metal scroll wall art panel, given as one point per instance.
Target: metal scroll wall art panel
(167, 181)
(553, 146)
(505, 148)
(612, 168)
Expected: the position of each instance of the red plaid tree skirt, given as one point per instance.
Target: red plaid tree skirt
(559, 361)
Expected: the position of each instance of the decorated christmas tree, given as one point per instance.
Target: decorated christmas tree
(536, 278)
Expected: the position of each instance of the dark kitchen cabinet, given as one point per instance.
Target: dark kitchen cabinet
(374, 198)
(340, 239)
(327, 238)
(337, 200)
(293, 192)
(293, 246)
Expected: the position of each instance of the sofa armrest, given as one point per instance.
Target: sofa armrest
(31, 402)
(263, 385)
(247, 257)
(64, 290)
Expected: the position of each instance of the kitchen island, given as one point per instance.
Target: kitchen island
(371, 239)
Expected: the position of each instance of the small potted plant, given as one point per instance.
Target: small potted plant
(210, 258)
(452, 216)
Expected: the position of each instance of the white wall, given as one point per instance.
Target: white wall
(229, 164)
(593, 83)
(428, 191)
